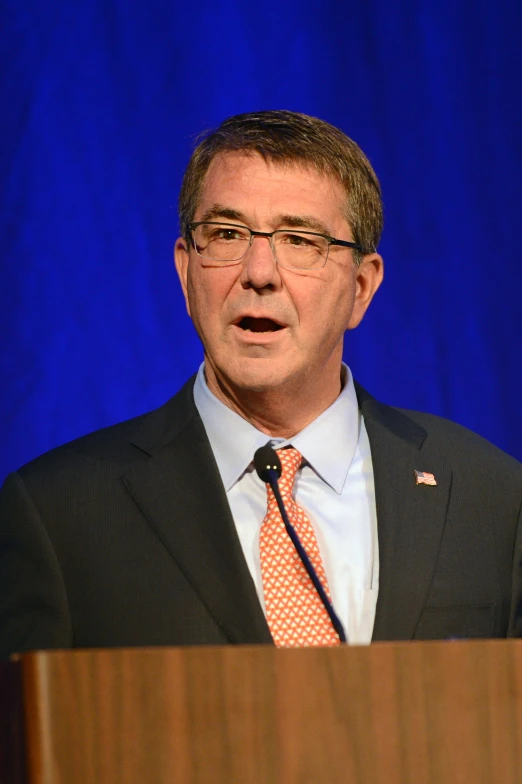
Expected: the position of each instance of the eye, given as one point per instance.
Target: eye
(224, 233)
(298, 241)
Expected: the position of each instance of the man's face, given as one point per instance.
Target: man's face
(266, 328)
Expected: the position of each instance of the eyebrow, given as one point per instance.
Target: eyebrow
(292, 221)
(219, 211)
(304, 222)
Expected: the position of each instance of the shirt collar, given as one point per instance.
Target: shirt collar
(328, 443)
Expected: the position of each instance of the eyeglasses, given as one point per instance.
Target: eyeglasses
(227, 244)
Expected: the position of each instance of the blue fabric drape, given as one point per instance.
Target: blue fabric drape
(100, 105)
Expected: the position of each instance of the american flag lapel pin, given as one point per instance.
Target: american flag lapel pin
(424, 478)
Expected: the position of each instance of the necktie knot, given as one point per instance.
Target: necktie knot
(291, 460)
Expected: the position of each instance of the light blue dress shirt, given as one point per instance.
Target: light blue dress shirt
(334, 486)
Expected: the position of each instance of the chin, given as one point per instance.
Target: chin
(251, 376)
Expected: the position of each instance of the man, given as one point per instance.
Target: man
(157, 531)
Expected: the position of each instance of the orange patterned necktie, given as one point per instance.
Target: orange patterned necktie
(294, 611)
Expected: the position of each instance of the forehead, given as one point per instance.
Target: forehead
(262, 189)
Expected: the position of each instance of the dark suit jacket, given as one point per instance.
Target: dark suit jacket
(125, 537)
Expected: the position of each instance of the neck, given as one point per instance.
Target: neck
(280, 413)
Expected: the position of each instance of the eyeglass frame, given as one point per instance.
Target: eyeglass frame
(269, 235)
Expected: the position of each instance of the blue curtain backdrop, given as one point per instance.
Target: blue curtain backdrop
(100, 103)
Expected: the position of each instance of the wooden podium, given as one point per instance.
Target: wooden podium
(408, 713)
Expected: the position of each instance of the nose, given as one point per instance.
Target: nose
(259, 266)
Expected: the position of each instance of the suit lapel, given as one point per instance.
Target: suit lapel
(410, 517)
(179, 490)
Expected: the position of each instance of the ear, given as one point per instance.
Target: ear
(368, 278)
(181, 261)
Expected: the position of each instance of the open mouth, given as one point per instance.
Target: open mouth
(250, 324)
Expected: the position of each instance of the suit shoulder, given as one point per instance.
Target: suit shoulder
(460, 443)
(117, 445)
(470, 454)
(107, 445)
